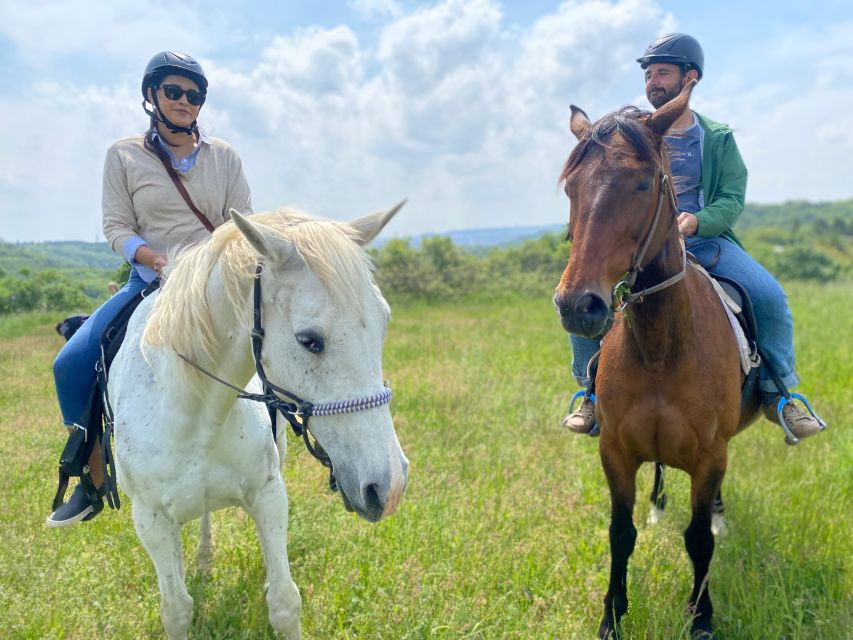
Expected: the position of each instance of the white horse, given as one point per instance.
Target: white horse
(186, 446)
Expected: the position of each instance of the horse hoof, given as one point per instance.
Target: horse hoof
(655, 516)
(718, 524)
(701, 630)
(607, 631)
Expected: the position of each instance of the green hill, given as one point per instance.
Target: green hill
(57, 255)
(794, 240)
(794, 214)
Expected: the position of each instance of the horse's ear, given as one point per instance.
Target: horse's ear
(269, 245)
(661, 120)
(579, 122)
(369, 227)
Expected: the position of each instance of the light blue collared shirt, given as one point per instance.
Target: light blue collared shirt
(132, 244)
(184, 164)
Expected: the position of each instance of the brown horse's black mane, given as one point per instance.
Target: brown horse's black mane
(631, 123)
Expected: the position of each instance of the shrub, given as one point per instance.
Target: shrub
(800, 262)
(47, 290)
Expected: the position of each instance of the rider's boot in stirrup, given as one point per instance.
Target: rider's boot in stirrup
(582, 419)
(796, 423)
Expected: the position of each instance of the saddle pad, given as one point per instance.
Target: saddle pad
(748, 359)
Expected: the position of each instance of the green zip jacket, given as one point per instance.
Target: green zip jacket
(723, 181)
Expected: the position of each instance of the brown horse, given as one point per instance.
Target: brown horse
(668, 385)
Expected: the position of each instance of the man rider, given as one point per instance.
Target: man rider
(710, 184)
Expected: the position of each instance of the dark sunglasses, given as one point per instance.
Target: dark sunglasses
(173, 92)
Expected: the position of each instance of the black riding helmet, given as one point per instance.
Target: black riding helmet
(675, 48)
(164, 64)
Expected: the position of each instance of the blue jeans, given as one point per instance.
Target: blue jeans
(74, 367)
(772, 314)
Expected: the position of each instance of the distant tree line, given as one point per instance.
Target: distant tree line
(818, 251)
(46, 290)
(795, 241)
(440, 269)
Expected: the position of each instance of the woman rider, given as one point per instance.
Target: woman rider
(146, 219)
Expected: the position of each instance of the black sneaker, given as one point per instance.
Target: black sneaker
(78, 507)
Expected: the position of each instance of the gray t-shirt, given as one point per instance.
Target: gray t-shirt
(685, 159)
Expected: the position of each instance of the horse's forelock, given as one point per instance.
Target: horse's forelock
(328, 248)
(630, 122)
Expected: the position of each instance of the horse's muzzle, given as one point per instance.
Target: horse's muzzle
(584, 314)
(380, 498)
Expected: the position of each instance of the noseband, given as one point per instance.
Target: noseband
(622, 290)
(294, 409)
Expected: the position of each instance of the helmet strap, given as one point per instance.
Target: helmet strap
(158, 116)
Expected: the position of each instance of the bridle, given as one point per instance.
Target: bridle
(621, 294)
(295, 410)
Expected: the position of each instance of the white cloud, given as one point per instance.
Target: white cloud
(54, 145)
(377, 8)
(116, 29)
(787, 101)
(461, 115)
(447, 105)
(450, 108)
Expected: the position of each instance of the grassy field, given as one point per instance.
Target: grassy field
(503, 532)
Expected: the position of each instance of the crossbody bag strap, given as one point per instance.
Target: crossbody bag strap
(167, 163)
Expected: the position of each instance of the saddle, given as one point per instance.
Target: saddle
(738, 307)
(97, 421)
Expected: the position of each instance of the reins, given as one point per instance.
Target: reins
(618, 294)
(295, 410)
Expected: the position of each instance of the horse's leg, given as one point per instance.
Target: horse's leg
(718, 522)
(160, 535)
(621, 472)
(269, 511)
(699, 541)
(205, 545)
(658, 498)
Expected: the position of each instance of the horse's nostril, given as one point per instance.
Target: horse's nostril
(371, 498)
(584, 314)
(590, 305)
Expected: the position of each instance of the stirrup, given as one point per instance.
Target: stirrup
(584, 393)
(790, 438)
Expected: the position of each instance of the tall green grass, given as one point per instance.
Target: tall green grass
(503, 531)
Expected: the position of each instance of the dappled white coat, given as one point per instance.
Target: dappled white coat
(186, 446)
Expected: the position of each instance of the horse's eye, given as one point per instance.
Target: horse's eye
(311, 341)
(644, 185)
(568, 236)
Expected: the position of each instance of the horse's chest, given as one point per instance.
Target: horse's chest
(195, 474)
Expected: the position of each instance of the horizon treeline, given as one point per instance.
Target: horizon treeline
(795, 241)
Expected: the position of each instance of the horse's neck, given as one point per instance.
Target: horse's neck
(231, 356)
(660, 325)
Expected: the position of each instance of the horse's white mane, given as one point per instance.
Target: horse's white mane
(182, 317)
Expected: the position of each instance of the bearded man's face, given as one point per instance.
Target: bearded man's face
(663, 82)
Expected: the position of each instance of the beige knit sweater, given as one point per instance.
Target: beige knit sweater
(139, 198)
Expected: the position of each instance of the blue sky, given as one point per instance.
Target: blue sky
(347, 106)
